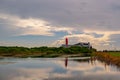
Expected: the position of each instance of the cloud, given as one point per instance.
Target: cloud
(33, 26)
(36, 26)
(83, 14)
(96, 21)
(100, 43)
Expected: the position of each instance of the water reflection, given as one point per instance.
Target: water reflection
(5, 63)
(57, 69)
(66, 62)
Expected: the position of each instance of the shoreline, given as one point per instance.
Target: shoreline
(45, 56)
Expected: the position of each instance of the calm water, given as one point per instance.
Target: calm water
(56, 69)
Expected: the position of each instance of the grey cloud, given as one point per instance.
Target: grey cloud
(116, 39)
(80, 13)
(76, 12)
(95, 35)
(63, 12)
(98, 15)
(7, 30)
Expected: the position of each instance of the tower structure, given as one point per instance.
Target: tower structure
(66, 42)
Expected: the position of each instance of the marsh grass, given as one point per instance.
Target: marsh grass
(116, 54)
(109, 58)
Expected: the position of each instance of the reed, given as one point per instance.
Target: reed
(108, 58)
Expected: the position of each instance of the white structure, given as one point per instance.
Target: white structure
(81, 44)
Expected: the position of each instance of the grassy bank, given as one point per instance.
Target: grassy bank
(109, 57)
(116, 54)
(44, 51)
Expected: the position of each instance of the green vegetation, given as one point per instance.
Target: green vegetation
(44, 51)
(115, 53)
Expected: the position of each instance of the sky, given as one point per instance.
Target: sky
(34, 23)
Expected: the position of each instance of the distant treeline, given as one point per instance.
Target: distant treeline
(43, 51)
(111, 50)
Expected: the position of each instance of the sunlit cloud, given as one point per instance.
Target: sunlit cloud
(88, 20)
(87, 36)
(33, 26)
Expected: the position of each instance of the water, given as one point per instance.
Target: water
(56, 69)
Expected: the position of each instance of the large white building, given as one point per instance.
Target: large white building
(81, 44)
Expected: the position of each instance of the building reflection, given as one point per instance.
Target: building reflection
(92, 60)
(66, 61)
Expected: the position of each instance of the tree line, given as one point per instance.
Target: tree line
(44, 51)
